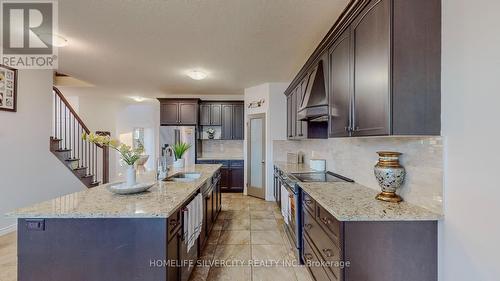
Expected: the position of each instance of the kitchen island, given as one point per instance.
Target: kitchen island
(97, 235)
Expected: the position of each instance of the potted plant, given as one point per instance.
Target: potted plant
(179, 150)
(128, 155)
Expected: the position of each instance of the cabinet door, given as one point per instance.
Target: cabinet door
(169, 113)
(238, 122)
(215, 114)
(300, 92)
(224, 178)
(205, 114)
(339, 59)
(173, 255)
(237, 180)
(227, 122)
(289, 116)
(188, 113)
(371, 49)
(294, 114)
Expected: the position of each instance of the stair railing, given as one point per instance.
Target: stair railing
(69, 128)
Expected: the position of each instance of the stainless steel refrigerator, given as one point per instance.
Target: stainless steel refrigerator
(175, 134)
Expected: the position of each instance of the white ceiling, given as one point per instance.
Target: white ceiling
(132, 47)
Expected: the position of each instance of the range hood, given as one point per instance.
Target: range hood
(314, 106)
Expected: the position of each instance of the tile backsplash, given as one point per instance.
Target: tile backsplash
(355, 157)
(222, 148)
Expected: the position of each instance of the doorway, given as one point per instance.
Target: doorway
(256, 147)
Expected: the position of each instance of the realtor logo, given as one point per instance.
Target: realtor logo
(28, 28)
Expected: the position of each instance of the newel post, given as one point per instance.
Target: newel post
(105, 158)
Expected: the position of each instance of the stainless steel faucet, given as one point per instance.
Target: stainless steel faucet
(163, 169)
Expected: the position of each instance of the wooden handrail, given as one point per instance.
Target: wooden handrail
(70, 108)
(68, 105)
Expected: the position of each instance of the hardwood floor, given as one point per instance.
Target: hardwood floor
(247, 229)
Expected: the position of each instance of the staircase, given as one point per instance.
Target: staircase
(87, 161)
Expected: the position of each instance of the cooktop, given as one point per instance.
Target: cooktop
(320, 177)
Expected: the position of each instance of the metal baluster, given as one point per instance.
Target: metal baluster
(55, 114)
(80, 163)
(74, 139)
(60, 123)
(65, 127)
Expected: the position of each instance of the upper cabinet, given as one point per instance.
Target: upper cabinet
(178, 111)
(383, 70)
(340, 86)
(371, 49)
(296, 128)
(232, 121)
(210, 114)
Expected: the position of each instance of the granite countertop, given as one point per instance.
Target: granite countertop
(290, 168)
(355, 202)
(220, 157)
(160, 201)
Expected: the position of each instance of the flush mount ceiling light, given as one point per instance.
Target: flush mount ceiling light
(196, 74)
(138, 99)
(57, 40)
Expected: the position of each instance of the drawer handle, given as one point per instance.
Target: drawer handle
(307, 226)
(308, 256)
(325, 220)
(308, 201)
(328, 252)
(173, 223)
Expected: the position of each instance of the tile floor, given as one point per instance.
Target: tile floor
(247, 229)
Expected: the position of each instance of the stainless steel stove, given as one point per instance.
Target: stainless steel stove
(291, 183)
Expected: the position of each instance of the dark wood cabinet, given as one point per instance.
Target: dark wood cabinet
(383, 70)
(237, 179)
(340, 86)
(289, 112)
(205, 114)
(371, 46)
(178, 111)
(232, 121)
(238, 122)
(377, 249)
(296, 129)
(169, 113)
(231, 175)
(210, 114)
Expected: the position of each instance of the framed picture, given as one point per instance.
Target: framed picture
(8, 88)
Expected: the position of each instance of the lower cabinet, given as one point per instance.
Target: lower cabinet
(366, 250)
(182, 260)
(231, 174)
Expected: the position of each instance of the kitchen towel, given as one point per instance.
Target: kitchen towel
(193, 221)
(285, 204)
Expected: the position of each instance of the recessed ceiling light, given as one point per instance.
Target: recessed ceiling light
(55, 40)
(138, 99)
(197, 74)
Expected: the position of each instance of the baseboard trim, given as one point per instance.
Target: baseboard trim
(8, 229)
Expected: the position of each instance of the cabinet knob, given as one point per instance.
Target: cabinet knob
(325, 220)
(307, 226)
(308, 201)
(307, 256)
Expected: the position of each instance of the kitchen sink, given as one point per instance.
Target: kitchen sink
(184, 177)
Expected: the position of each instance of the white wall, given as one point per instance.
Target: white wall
(29, 172)
(469, 243)
(275, 108)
